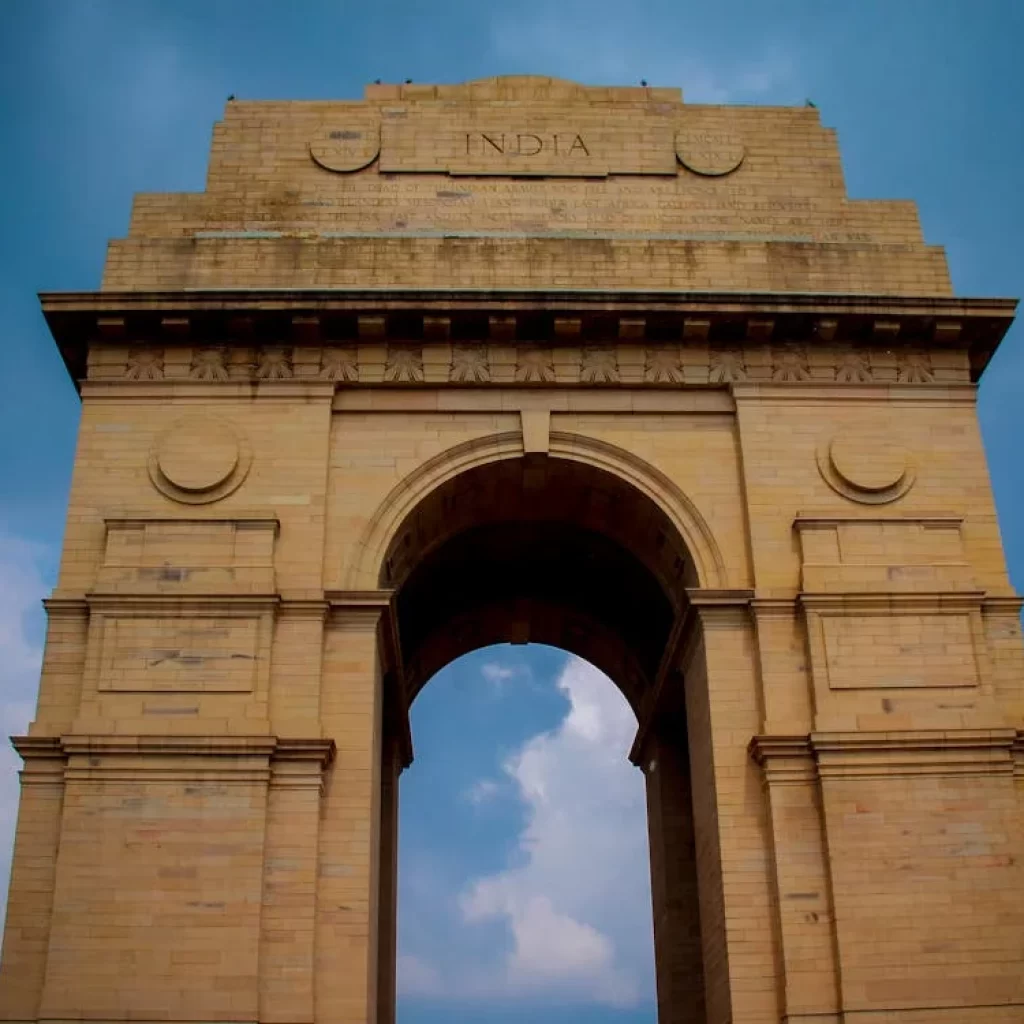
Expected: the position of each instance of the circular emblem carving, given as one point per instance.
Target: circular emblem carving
(711, 153)
(199, 460)
(866, 470)
(349, 145)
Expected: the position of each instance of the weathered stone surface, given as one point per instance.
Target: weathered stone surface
(506, 361)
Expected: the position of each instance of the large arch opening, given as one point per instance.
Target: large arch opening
(556, 552)
(523, 880)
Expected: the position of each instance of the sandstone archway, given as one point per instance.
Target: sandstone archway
(554, 551)
(386, 391)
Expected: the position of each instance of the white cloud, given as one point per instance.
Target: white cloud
(494, 672)
(23, 587)
(497, 674)
(482, 791)
(574, 900)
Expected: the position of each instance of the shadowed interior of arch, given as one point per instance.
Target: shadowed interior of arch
(538, 549)
(551, 551)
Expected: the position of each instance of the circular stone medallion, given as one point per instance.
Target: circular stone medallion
(710, 153)
(349, 145)
(866, 469)
(199, 460)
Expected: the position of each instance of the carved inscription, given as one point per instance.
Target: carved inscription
(711, 153)
(507, 143)
(526, 144)
(348, 147)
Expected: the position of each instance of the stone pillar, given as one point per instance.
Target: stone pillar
(158, 879)
(34, 865)
(674, 887)
(387, 937)
(33, 868)
(288, 918)
(349, 841)
(730, 814)
(806, 915)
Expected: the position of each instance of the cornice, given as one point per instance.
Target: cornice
(280, 761)
(924, 752)
(226, 603)
(174, 746)
(810, 518)
(302, 319)
(785, 759)
(37, 747)
(896, 754)
(906, 601)
(339, 299)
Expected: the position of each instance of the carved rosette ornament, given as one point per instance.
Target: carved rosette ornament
(790, 364)
(469, 365)
(727, 366)
(145, 364)
(275, 363)
(536, 365)
(852, 367)
(599, 366)
(404, 364)
(339, 364)
(209, 364)
(663, 366)
(915, 367)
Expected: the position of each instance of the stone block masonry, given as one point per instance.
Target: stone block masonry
(524, 360)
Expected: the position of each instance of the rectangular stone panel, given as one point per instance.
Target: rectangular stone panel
(511, 140)
(157, 897)
(869, 553)
(927, 878)
(910, 650)
(194, 654)
(151, 555)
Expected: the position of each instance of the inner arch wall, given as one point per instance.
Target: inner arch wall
(367, 564)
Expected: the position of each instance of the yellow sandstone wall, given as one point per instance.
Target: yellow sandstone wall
(421, 199)
(199, 828)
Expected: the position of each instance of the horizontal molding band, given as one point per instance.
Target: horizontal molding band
(835, 755)
(209, 756)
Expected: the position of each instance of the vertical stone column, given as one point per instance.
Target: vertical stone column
(387, 937)
(159, 879)
(730, 815)
(33, 870)
(288, 916)
(806, 915)
(349, 841)
(34, 865)
(674, 886)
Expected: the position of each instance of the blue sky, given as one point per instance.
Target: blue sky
(102, 99)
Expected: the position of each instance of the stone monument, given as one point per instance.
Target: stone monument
(524, 360)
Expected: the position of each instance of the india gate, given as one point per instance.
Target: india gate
(522, 360)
